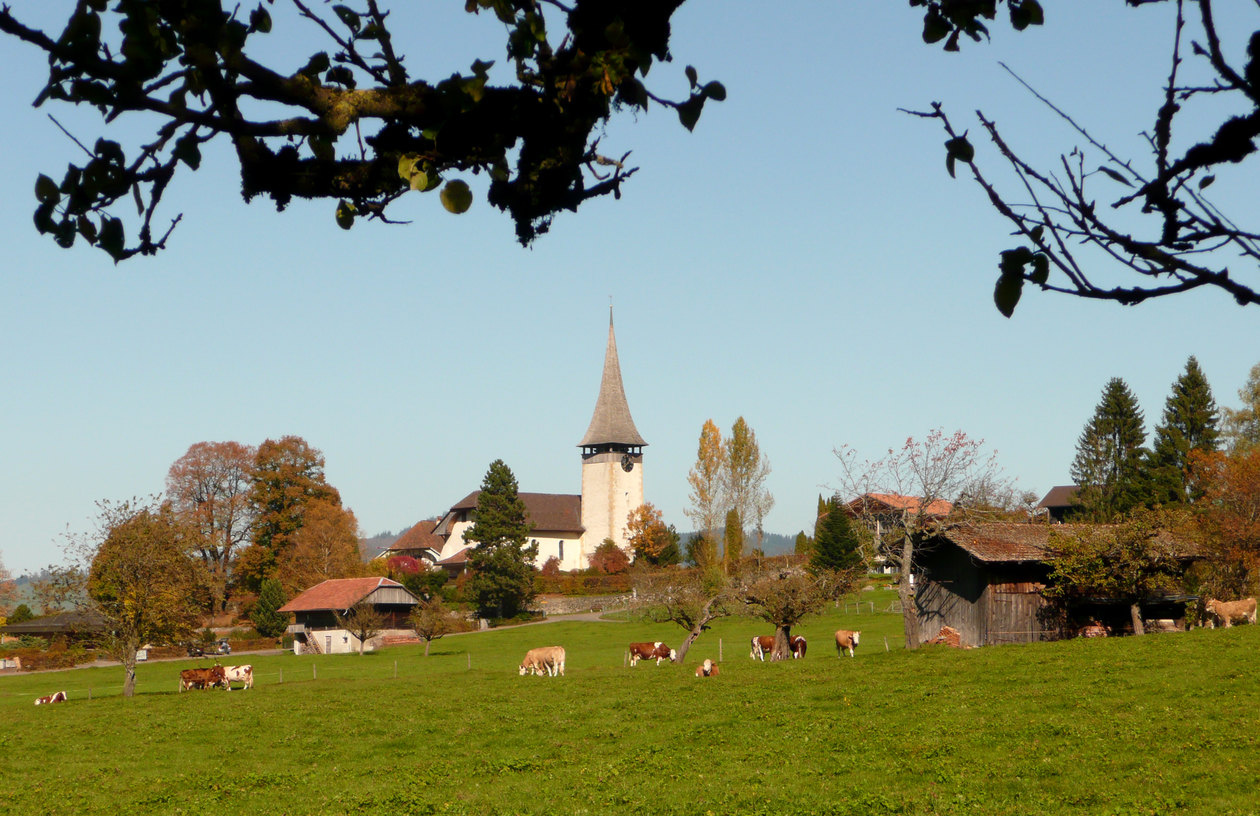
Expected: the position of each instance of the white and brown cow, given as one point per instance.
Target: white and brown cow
(59, 697)
(707, 669)
(202, 678)
(545, 660)
(798, 647)
(648, 651)
(762, 645)
(1229, 611)
(239, 674)
(846, 639)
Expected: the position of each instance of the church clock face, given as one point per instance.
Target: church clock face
(627, 464)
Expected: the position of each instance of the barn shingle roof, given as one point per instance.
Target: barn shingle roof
(1059, 496)
(419, 536)
(337, 593)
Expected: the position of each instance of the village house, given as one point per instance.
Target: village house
(317, 629)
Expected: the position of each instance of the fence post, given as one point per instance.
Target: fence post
(314, 672)
(395, 669)
(282, 675)
(885, 643)
(872, 607)
(469, 654)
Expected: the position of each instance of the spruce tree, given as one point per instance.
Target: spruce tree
(502, 580)
(1108, 468)
(1189, 423)
(836, 545)
(268, 620)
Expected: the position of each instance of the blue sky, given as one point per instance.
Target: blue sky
(802, 259)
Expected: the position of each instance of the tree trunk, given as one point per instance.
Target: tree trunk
(782, 642)
(426, 647)
(1135, 612)
(686, 644)
(905, 593)
(129, 685)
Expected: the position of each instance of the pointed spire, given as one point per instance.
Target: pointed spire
(611, 424)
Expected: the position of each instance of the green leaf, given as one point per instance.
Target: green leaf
(715, 91)
(960, 148)
(689, 112)
(1206, 181)
(456, 197)
(188, 151)
(316, 65)
(111, 238)
(46, 190)
(1033, 9)
(43, 217)
(1013, 260)
(348, 16)
(691, 75)
(419, 180)
(1114, 175)
(1040, 269)
(260, 20)
(322, 147)
(1006, 293)
(935, 27)
(345, 215)
(407, 165)
(1038, 231)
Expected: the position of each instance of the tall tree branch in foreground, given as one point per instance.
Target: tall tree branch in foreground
(913, 494)
(351, 125)
(1184, 241)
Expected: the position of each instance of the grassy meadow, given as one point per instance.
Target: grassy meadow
(1161, 724)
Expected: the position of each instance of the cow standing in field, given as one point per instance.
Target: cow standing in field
(648, 651)
(1229, 611)
(202, 678)
(59, 697)
(707, 669)
(846, 639)
(762, 645)
(238, 674)
(798, 647)
(545, 660)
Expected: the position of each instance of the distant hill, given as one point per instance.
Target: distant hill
(369, 547)
(772, 543)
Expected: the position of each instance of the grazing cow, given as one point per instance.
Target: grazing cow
(59, 697)
(1229, 611)
(707, 669)
(238, 674)
(648, 651)
(846, 639)
(798, 647)
(202, 678)
(762, 645)
(548, 660)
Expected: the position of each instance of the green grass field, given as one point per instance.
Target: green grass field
(1154, 725)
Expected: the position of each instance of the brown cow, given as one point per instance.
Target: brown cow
(762, 645)
(798, 647)
(202, 678)
(1229, 611)
(707, 669)
(59, 697)
(846, 639)
(648, 651)
(548, 660)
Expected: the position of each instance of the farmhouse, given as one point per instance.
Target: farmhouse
(316, 627)
(419, 542)
(569, 527)
(1059, 503)
(985, 580)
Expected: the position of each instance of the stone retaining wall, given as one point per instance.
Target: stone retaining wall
(573, 604)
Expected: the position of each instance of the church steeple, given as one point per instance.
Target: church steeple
(612, 427)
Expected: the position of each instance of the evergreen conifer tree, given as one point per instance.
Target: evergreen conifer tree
(268, 620)
(1189, 423)
(836, 545)
(1108, 467)
(502, 580)
(1242, 425)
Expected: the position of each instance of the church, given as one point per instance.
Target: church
(569, 527)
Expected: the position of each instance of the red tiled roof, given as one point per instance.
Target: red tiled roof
(549, 512)
(460, 557)
(897, 502)
(336, 593)
(420, 536)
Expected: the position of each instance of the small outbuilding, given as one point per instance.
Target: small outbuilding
(317, 627)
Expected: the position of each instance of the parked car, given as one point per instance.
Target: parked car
(219, 647)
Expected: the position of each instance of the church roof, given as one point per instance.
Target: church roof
(548, 512)
(611, 423)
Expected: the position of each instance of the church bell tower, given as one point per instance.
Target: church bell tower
(612, 460)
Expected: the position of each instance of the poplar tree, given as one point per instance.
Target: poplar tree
(1242, 426)
(747, 469)
(1108, 467)
(706, 480)
(1189, 423)
(733, 540)
(501, 563)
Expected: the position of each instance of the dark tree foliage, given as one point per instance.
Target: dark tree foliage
(836, 546)
(351, 125)
(1063, 214)
(1108, 467)
(732, 540)
(20, 614)
(1189, 423)
(502, 582)
(266, 616)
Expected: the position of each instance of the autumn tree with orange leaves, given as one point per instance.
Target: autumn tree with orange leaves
(1229, 518)
(209, 487)
(651, 540)
(325, 546)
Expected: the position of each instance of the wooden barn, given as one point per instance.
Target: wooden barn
(316, 627)
(985, 581)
